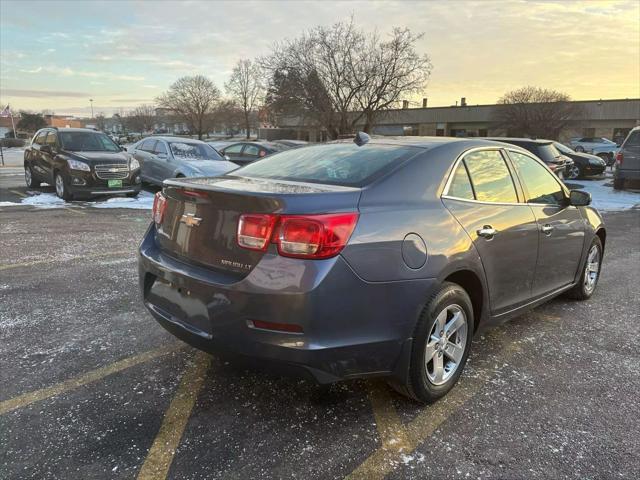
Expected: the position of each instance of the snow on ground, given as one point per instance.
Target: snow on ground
(604, 197)
(144, 201)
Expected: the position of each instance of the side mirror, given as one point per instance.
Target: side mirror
(227, 158)
(578, 198)
(46, 149)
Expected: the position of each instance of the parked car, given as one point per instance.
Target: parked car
(627, 166)
(587, 144)
(606, 152)
(381, 257)
(169, 157)
(243, 153)
(585, 164)
(543, 149)
(80, 163)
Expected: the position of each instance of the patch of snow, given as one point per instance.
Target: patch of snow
(144, 201)
(604, 197)
(43, 200)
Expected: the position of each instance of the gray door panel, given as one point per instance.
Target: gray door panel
(560, 246)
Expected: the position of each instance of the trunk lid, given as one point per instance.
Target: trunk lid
(201, 216)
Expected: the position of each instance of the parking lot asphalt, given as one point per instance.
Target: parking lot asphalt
(92, 387)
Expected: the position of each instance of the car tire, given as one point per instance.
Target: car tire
(62, 188)
(426, 383)
(590, 273)
(618, 183)
(574, 172)
(579, 149)
(29, 178)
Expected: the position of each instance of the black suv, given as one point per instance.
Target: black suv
(544, 150)
(80, 162)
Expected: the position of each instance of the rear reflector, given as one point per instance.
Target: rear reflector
(619, 158)
(300, 236)
(279, 327)
(159, 207)
(254, 231)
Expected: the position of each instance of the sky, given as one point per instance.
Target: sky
(57, 55)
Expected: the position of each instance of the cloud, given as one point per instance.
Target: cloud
(11, 92)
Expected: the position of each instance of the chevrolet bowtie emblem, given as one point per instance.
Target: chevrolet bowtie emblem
(190, 220)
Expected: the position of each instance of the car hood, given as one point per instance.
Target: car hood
(99, 157)
(212, 168)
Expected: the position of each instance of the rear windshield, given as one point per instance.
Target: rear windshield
(194, 151)
(343, 164)
(547, 153)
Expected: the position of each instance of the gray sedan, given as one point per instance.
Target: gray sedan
(170, 157)
(379, 257)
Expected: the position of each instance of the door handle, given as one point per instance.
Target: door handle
(546, 229)
(487, 232)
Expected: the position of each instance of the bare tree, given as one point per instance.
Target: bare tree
(192, 99)
(227, 116)
(535, 112)
(339, 75)
(393, 69)
(246, 88)
(101, 121)
(142, 118)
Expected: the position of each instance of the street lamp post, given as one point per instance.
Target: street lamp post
(91, 101)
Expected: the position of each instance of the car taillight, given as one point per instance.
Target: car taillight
(255, 230)
(159, 206)
(299, 236)
(619, 158)
(314, 236)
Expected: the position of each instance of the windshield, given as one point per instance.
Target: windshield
(334, 164)
(194, 151)
(547, 152)
(87, 142)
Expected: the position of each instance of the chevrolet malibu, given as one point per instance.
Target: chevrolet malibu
(367, 258)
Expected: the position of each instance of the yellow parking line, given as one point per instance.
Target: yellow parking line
(384, 460)
(64, 259)
(20, 194)
(74, 211)
(89, 377)
(156, 465)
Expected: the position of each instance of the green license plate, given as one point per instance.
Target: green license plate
(114, 183)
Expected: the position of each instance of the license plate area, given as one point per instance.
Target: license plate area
(114, 183)
(180, 305)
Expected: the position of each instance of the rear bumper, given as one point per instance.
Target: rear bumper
(352, 328)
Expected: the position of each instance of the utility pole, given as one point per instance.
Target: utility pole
(91, 100)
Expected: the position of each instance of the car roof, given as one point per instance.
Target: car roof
(530, 141)
(429, 142)
(169, 138)
(75, 129)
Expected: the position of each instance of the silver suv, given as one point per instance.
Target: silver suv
(627, 166)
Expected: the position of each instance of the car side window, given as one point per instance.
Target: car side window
(490, 177)
(460, 186)
(148, 145)
(160, 148)
(52, 139)
(540, 184)
(251, 150)
(233, 148)
(39, 140)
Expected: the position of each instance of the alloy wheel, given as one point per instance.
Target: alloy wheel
(27, 176)
(59, 186)
(592, 269)
(446, 344)
(574, 172)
